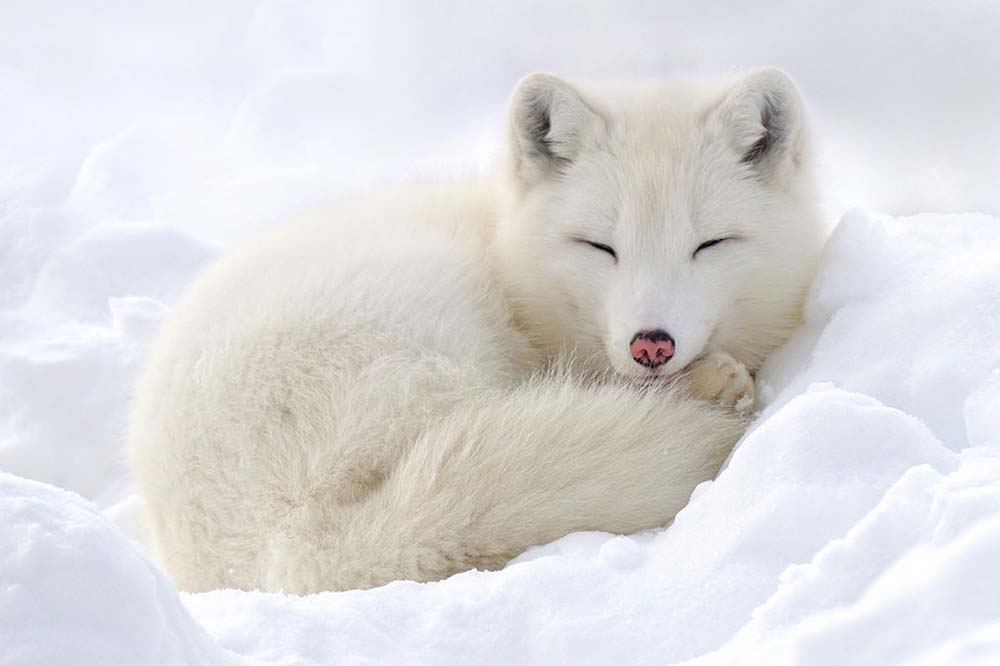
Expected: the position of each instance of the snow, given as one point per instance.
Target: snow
(857, 522)
(73, 590)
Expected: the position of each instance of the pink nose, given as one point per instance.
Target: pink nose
(652, 348)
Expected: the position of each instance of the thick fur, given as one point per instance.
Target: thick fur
(433, 380)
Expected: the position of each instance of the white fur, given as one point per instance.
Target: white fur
(435, 379)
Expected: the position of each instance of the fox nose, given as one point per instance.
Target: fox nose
(651, 348)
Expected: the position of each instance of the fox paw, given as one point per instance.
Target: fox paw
(721, 378)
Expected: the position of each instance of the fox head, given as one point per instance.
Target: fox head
(644, 232)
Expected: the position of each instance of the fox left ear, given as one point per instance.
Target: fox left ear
(762, 117)
(548, 125)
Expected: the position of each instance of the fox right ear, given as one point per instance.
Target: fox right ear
(549, 122)
(763, 117)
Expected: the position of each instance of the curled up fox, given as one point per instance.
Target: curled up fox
(433, 379)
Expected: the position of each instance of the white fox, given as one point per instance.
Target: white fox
(435, 379)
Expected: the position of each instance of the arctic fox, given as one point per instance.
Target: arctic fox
(436, 379)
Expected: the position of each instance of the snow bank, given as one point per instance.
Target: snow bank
(69, 354)
(913, 580)
(73, 590)
(906, 311)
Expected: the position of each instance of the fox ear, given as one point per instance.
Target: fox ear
(762, 117)
(549, 121)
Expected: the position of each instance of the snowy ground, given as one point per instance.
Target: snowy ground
(859, 520)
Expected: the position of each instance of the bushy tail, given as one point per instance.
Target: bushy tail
(516, 468)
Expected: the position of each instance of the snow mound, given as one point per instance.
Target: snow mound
(906, 311)
(73, 590)
(115, 261)
(911, 582)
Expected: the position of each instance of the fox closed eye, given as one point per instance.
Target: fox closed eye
(602, 247)
(711, 243)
